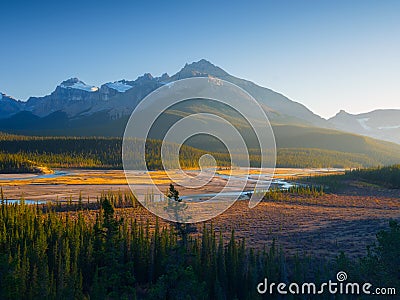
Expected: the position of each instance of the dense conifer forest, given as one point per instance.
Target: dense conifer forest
(89, 251)
(16, 163)
(70, 152)
(56, 252)
(23, 153)
(385, 176)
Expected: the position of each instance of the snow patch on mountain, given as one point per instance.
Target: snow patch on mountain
(363, 123)
(388, 127)
(119, 86)
(75, 83)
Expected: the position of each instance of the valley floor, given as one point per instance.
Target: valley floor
(319, 225)
(69, 183)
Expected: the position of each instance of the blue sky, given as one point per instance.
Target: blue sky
(328, 55)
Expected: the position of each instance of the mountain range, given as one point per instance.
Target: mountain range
(76, 108)
(379, 124)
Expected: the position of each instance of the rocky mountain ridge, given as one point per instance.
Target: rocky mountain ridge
(77, 100)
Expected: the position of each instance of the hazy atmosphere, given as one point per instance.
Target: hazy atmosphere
(199, 150)
(326, 55)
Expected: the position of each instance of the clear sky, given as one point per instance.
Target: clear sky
(328, 55)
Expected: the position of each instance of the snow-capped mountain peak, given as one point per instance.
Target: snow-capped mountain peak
(8, 105)
(4, 96)
(380, 124)
(120, 86)
(75, 83)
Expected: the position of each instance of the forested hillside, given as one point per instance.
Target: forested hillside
(87, 152)
(24, 152)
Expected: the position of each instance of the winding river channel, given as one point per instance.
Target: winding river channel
(65, 184)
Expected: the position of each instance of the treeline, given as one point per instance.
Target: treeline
(320, 158)
(93, 152)
(16, 163)
(101, 152)
(388, 177)
(283, 194)
(65, 151)
(43, 255)
(48, 255)
(384, 176)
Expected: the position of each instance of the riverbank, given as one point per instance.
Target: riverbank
(65, 184)
(321, 225)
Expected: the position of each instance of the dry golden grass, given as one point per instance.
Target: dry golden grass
(322, 226)
(281, 172)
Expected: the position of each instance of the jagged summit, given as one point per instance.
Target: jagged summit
(342, 112)
(71, 81)
(120, 86)
(203, 65)
(75, 83)
(163, 77)
(199, 68)
(117, 99)
(342, 115)
(8, 105)
(145, 76)
(4, 96)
